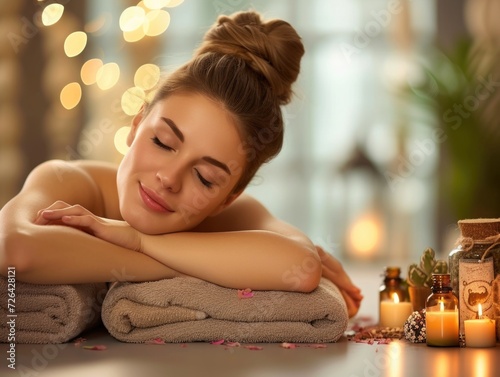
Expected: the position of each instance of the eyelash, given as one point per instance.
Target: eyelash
(203, 181)
(157, 142)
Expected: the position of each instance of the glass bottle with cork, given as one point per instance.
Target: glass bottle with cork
(475, 269)
(441, 317)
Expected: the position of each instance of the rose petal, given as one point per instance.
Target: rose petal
(317, 346)
(157, 341)
(217, 342)
(95, 348)
(254, 348)
(78, 342)
(245, 293)
(288, 345)
(233, 344)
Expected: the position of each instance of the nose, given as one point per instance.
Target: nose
(170, 179)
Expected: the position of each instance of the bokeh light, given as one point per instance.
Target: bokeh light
(120, 139)
(89, 70)
(174, 3)
(365, 236)
(156, 4)
(132, 18)
(75, 43)
(147, 76)
(132, 100)
(107, 76)
(71, 95)
(52, 13)
(157, 21)
(134, 35)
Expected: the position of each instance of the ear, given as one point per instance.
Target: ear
(135, 124)
(231, 198)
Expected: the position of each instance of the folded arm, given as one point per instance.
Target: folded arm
(56, 254)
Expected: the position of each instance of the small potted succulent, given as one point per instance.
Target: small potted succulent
(420, 277)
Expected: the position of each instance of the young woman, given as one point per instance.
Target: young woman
(175, 204)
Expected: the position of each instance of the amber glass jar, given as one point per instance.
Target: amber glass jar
(393, 283)
(441, 312)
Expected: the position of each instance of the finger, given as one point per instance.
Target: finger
(58, 213)
(352, 306)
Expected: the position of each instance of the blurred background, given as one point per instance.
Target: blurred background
(393, 135)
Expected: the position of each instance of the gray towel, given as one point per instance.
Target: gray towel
(187, 309)
(41, 314)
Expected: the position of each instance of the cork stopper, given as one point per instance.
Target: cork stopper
(479, 229)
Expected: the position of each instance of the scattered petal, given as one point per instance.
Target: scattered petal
(317, 346)
(245, 293)
(156, 341)
(232, 344)
(217, 342)
(95, 348)
(78, 342)
(288, 345)
(254, 348)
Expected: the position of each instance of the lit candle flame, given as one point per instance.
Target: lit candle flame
(479, 311)
(395, 298)
(441, 306)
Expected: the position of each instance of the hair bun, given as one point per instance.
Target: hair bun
(271, 48)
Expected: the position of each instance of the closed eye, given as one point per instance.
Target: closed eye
(160, 144)
(204, 181)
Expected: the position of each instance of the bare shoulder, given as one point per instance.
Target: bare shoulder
(75, 182)
(245, 213)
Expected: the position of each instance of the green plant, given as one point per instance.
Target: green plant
(420, 275)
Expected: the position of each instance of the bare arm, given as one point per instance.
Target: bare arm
(243, 247)
(57, 254)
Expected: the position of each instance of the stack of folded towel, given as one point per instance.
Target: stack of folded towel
(183, 309)
(186, 309)
(48, 313)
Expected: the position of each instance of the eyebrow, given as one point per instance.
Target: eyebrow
(174, 128)
(217, 163)
(180, 135)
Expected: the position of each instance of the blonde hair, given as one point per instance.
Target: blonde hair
(248, 65)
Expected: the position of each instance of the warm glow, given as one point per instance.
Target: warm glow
(52, 13)
(134, 35)
(157, 22)
(71, 95)
(132, 100)
(365, 236)
(396, 364)
(479, 311)
(132, 18)
(75, 43)
(441, 306)
(174, 3)
(395, 298)
(147, 76)
(483, 365)
(89, 71)
(107, 76)
(120, 140)
(156, 4)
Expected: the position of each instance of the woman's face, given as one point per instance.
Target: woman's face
(182, 165)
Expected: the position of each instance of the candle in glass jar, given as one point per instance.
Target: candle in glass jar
(441, 327)
(480, 332)
(394, 313)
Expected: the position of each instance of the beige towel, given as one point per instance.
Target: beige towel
(186, 309)
(48, 313)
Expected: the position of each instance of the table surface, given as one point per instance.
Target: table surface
(344, 358)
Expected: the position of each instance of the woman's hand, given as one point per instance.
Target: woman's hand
(117, 232)
(333, 270)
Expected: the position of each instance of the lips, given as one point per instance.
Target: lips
(152, 200)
